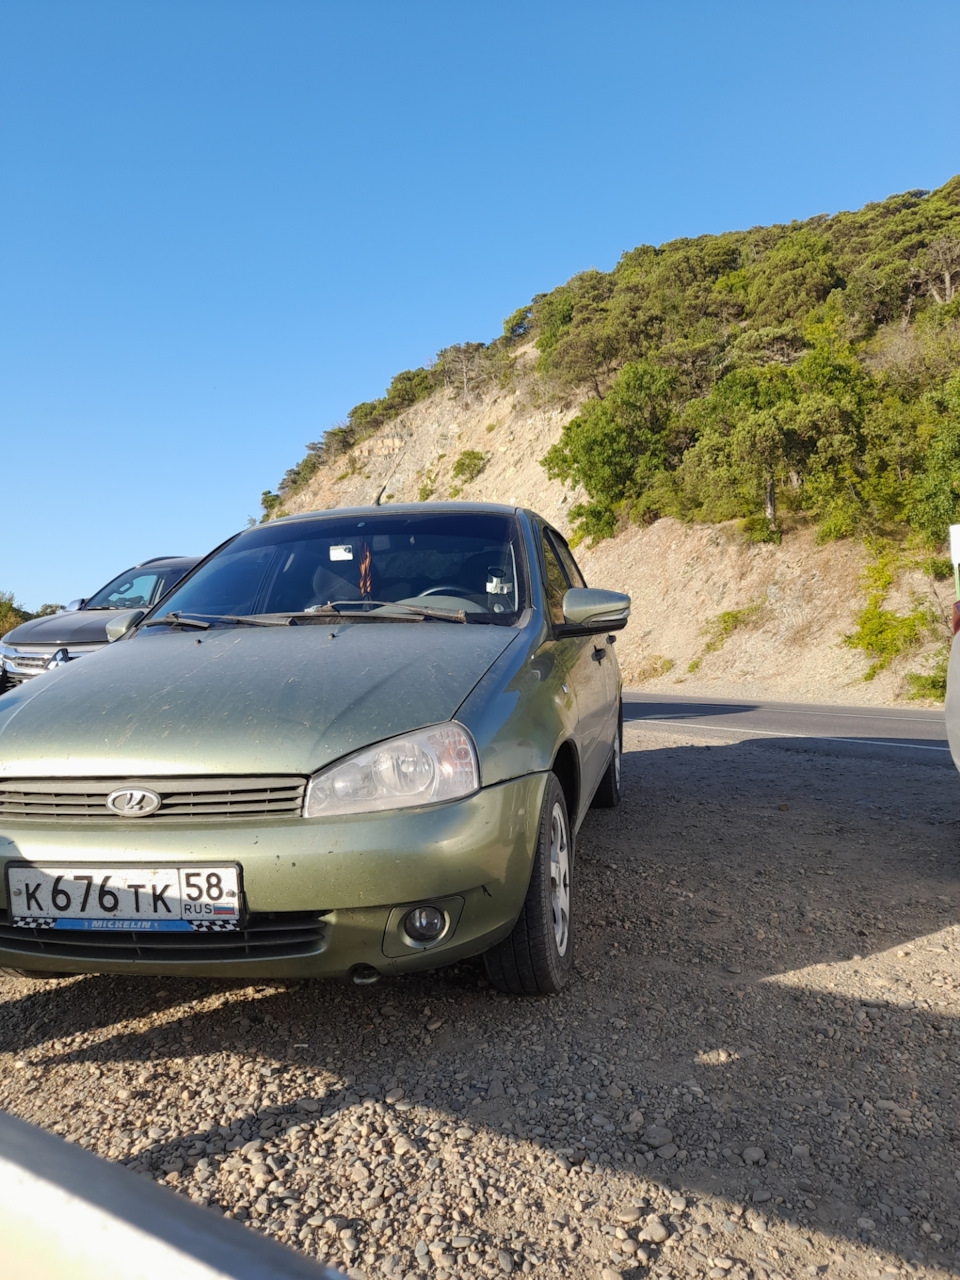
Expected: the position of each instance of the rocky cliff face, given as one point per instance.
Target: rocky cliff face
(786, 608)
(418, 452)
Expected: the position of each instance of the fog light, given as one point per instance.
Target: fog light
(364, 974)
(424, 924)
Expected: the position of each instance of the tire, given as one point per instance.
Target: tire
(608, 793)
(537, 956)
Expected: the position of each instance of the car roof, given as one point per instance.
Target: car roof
(405, 508)
(169, 562)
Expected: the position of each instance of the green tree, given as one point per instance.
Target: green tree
(517, 324)
(616, 445)
(11, 614)
(935, 499)
(794, 276)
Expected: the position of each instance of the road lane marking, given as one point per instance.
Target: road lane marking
(766, 733)
(794, 710)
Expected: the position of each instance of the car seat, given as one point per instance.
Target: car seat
(328, 586)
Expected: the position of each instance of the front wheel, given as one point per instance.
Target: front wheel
(537, 956)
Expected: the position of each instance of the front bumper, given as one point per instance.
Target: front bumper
(24, 664)
(471, 857)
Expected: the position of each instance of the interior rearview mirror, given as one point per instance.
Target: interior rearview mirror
(121, 623)
(587, 609)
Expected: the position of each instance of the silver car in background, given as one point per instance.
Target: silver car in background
(44, 643)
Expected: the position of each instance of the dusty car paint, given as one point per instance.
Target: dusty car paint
(247, 700)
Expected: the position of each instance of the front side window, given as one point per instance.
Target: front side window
(470, 562)
(555, 583)
(570, 567)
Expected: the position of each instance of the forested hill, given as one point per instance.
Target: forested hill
(810, 367)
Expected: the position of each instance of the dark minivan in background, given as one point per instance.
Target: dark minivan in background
(42, 643)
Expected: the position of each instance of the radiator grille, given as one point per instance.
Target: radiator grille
(214, 799)
(267, 935)
(28, 662)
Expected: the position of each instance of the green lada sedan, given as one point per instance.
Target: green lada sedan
(352, 743)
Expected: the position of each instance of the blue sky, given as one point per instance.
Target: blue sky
(225, 222)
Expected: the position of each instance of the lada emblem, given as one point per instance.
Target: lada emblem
(132, 802)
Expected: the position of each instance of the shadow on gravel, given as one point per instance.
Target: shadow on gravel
(753, 930)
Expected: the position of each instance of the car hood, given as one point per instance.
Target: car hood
(243, 700)
(63, 629)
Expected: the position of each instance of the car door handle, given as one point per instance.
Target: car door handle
(599, 654)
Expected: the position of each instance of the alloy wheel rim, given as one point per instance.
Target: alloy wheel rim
(560, 879)
(616, 759)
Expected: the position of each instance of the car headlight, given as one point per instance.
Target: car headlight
(426, 767)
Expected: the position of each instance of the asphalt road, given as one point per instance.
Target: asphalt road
(915, 735)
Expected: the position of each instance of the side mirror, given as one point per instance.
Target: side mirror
(588, 609)
(76, 604)
(118, 626)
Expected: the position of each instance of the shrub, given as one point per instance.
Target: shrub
(758, 529)
(429, 485)
(882, 634)
(469, 465)
(718, 629)
(656, 665)
(938, 567)
(933, 683)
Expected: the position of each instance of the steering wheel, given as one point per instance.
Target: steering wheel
(445, 588)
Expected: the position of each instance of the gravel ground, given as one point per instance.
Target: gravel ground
(752, 1074)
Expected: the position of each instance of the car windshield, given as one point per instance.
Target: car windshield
(468, 562)
(135, 589)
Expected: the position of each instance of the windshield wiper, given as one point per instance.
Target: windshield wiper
(336, 609)
(177, 620)
(203, 621)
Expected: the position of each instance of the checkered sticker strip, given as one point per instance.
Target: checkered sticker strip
(31, 922)
(214, 926)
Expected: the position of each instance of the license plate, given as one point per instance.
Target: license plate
(157, 899)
